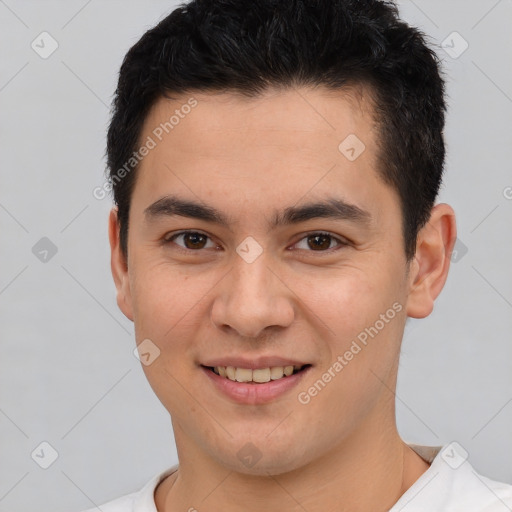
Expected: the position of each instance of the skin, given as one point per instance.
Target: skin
(249, 158)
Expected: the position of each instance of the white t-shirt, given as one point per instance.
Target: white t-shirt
(449, 485)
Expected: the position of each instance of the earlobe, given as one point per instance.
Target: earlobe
(119, 267)
(429, 270)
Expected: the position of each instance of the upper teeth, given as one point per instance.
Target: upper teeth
(258, 375)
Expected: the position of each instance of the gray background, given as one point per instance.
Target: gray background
(68, 375)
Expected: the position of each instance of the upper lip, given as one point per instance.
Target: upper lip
(253, 363)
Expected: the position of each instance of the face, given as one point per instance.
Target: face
(257, 242)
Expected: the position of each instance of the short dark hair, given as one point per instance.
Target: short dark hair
(249, 46)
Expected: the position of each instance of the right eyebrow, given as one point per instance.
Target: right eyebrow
(168, 206)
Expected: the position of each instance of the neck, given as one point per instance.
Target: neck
(368, 471)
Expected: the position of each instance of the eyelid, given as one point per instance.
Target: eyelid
(342, 242)
(169, 238)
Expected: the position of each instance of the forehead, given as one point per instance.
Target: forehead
(273, 148)
(303, 114)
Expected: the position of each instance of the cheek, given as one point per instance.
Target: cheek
(165, 299)
(362, 315)
(167, 306)
(342, 303)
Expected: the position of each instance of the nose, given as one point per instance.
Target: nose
(251, 298)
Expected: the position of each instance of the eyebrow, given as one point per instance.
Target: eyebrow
(331, 208)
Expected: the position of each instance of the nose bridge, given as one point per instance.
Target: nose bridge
(252, 298)
(252, 280)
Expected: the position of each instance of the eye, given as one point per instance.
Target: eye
(191, 240)
(195, 241)
(319, 242)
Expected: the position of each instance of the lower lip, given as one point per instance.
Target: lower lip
(255, 394)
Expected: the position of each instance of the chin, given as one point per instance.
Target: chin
(251, 459)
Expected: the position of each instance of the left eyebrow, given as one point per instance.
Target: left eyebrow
(331, 208)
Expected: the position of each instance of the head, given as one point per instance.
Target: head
(275, 167)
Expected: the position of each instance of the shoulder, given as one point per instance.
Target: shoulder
(496, 496)
(122, 504)
(138, 501)
(472, 491)
(451, 483)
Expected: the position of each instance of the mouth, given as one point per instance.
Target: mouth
(257, 375)
(254, 381)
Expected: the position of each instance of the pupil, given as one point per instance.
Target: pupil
(320, 242)
(195, 239)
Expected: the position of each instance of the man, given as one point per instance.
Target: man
(275, 166)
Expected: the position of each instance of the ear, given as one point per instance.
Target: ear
(429, 268)
(119, 267)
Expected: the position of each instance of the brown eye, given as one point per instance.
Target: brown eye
(319, 242)
(194, 240)
(191, 240)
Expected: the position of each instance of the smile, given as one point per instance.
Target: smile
(258, 375)
(255, 386)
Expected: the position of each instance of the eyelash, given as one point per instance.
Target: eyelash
(341, 243)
